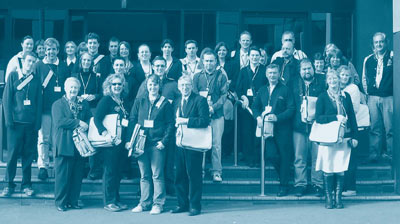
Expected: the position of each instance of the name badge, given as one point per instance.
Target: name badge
(268, 109)
(57, 89)
(27, 102)
(124, 122)
(148, 123)
(203, 93)
(249, 92)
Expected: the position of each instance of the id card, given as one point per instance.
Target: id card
(148, 123)
(57, 89)
(124, 122)
(203, 93)
(249, 92)
(268, 109)
(27, 102)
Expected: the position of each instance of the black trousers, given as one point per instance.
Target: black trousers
(169, 164)
(246, 135)
(350, 174)
(113, 157)
(21, 140)
(279, 151)
(96, 163)
(228, 137)
(189, 179)
(69, 174)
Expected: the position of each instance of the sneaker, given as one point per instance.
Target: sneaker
(155, 210)
(43, 175)
(28, 191)
(217, 177)
(349, 193)
(122, 206)
(299, 191)
(112, 208)
(7, 191)
(137, 209)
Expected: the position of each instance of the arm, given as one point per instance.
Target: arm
(39, 108)
(169, 122)
(133, 119)
(8, 96)
(257, 106)
(11, 66)
(364, 76)
(60, 119)
(320, 111)
(223, 93)
(355, 96)
(101, 111)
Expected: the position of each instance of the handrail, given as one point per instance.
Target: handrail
(235, 143)
(262, 178)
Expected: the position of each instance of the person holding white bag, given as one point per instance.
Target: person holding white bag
(333, 159)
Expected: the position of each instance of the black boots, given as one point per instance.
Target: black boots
(339, 190)
(328, 191)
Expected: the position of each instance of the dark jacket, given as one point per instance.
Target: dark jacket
(282, 104)
(61, 73)
(174, 71)
(168, 88)
(138, 77)
(196, 110)
(316, 87)
(248, 80)
(289, 71)
(64, 123)
(161, 113)
(386, 84)
(92, 85)
(13, 102)
(326, 112)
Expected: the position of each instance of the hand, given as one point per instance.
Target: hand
(341, 118)
(259, 122)
(83, 125)
(271, 118)
(160, 145)
(245, 102)
(128, 146)
(104, 133)
(181, 120)
(210, 108)
(354, 143)
(90, 97)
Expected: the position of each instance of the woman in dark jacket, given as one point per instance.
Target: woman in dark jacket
(155, 114)
(68, 113)
(112, 103)
(174, 66)
(333, 160)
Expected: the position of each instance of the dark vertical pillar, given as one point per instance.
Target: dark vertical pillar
(396, 94)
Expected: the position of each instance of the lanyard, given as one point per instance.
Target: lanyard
(190, 67)
(83, 82)
(121, 106)
(55, 73)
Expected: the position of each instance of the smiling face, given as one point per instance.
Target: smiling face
(51, 52)
(159, 68)
(28, 63)
(222, 52)
(167, 49)
(70, 49)
(86, 61)
(185, 87)
(335, 61)
(93, 46)
(245, 41)
(71, 89)
(319, 65)
(123, 51)
(40, 51)
(116, 86)
(345, 77)
(332, 79)
(273, 75)
(27, 45)
(152, 87)
(119, 66)
(144, 53)
(254, 57)
(379, 43)
(209, 62)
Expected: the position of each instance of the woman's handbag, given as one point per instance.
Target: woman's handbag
(137, 142)
(113, 125)
(329, 133)
(82, 143)
(196, 139)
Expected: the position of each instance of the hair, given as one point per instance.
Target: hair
(38, 43)
(219, 45)
(167, 41)
(144, 45)
(191, 42)
(72, 79)
(92, 36)
(29, 53)
(154, 78)
(287, 32)
(338, 53)
(272, 66)
(304, 61)
(245, 32)
(159, 58)
(379, 34)
(331, 72)
(254, 48)
(318, 56)
(330, 46)
(127, 45)
(346, 68)
(80, 61)
(70, 42)
(113, 39)
(27, 37)
(51, 41)
(118, 58)
(108, 82)
(207, 51)
(185, 78)
(82, 47)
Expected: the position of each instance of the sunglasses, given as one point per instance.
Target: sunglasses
(116, 84)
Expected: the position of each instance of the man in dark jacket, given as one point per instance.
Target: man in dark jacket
(22, 102)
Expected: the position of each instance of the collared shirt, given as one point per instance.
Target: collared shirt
(244, 58)
(379, 70)
(46, 61)
(297, 54)
(69, 61)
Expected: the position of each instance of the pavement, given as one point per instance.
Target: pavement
(32, 211)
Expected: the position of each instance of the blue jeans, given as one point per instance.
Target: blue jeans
(151, 165)
(217, 126)
(301, 151)
(45, 142)
(381, 112)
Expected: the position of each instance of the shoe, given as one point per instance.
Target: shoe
(283, 191)
(155, 210)
(62, 208)
(122, 206)
(194, 212)
(94, 176)
(328, 191)
(43, 175)
(299, 191)
(137, 209)
(318, 191)
(339, 190)
(28, 191)
(217, 177)
(349, 193)
(112, 208)
(74, 206)
(7, 191)
(179, 209)
(387, 157)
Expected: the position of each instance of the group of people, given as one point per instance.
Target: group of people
(46, 99)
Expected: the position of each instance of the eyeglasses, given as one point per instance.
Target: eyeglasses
(116, 84)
